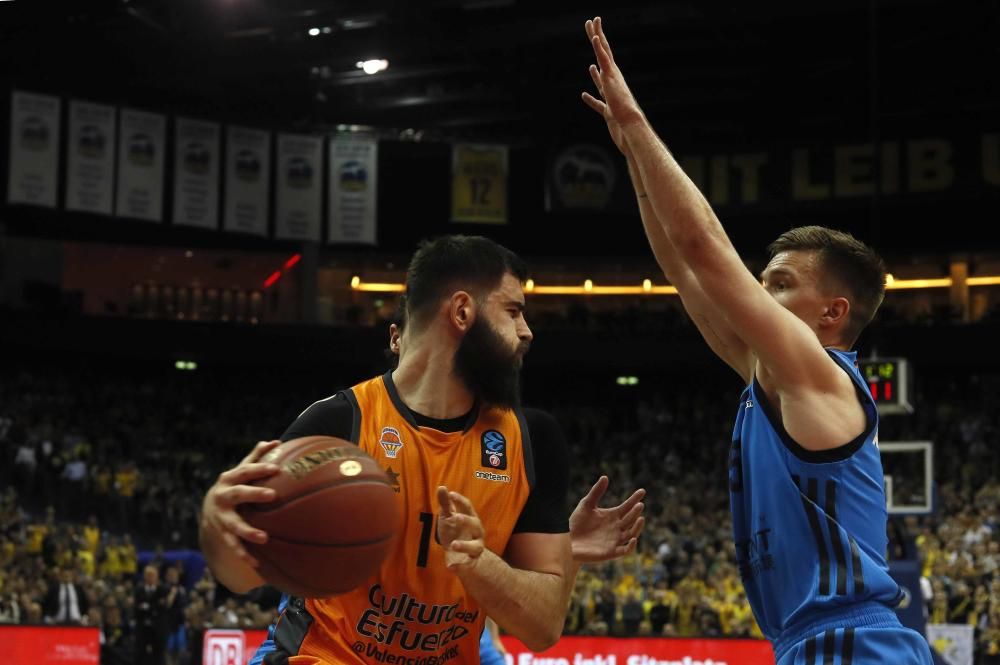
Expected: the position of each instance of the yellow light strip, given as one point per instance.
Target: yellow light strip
(602, 290)
(984, 281)
(919, 283)
(591, 289)
(378, 287)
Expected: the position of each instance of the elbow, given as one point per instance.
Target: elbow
(543, 641)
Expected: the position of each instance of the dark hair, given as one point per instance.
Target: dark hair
(398, 317)
(451, 263)
(853, 264)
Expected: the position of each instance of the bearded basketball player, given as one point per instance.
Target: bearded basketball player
(482, 479)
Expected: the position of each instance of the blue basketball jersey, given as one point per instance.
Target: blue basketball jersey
(269, 646)
(809, 526)
(488, 653)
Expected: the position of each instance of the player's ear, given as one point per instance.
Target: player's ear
(836, 312)
(394, 338)
(461, 310)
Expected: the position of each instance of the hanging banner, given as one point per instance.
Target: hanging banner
(953, 641)
(140, 165)
(90, 157)
(583, 178)
(34, 149)
(479, 184)
(299, 187)
(196, 173)
(248, 173)
(353, 187)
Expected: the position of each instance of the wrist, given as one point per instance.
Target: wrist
(632, 120)
(473, 568)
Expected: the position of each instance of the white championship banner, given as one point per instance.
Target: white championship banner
(196, 173)
(140, 165)
(299, 187)
(248, 175)
(353, 189)
(90, 157)
(33, 176)
(954, 641)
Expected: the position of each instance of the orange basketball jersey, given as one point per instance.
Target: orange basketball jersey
(415, 611)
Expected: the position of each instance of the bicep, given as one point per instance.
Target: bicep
(541, 541)
(782, 342)
(712, 326)
(716, 330)
(546, 509)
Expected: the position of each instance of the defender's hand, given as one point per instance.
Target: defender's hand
(619, 104)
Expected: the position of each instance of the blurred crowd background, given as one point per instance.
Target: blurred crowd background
(104, 469)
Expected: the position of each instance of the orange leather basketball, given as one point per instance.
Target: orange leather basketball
(332, 522)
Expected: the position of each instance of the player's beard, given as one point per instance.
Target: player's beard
(488, 367)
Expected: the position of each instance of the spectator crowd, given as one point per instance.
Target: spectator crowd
(98, 467)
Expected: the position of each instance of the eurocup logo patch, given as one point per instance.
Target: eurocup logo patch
(390, 442)
(494, 449)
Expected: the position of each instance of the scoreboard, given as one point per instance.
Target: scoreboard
(889, 381)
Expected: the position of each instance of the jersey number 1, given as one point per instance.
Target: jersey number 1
(427, 520)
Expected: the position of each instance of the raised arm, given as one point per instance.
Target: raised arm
(707, 318)
(794, 363)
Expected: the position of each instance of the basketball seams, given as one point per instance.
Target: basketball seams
(305, 543)
(263, 509)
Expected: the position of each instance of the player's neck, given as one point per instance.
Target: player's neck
(427, 385)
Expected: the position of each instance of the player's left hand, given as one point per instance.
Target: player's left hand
(459, 530)
(604, 534)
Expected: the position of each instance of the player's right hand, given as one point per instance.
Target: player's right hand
(619, 103)
(230, 490)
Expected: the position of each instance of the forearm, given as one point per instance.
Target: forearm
(674, 269)
(530, 605)
(681, 210)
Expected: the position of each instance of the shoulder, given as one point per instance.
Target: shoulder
(331, 416)
(546, 445)
(335, 403)
(540, 422)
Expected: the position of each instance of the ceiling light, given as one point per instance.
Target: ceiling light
(372, 66)
(313, 32)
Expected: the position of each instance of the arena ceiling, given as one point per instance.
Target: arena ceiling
(512, 70)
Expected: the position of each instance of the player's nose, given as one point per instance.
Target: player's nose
(524, 332)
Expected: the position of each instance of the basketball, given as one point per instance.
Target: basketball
(332, 522)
